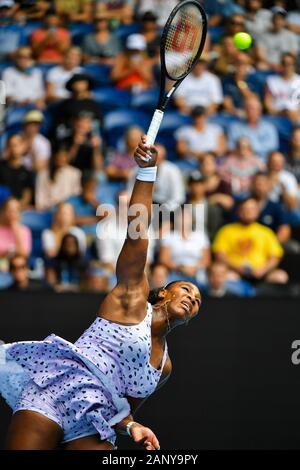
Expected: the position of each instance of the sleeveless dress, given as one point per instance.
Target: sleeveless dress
(82, 386)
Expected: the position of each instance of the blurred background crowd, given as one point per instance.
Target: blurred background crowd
(81, 81)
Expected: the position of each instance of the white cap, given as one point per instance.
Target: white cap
(136, 42)
(6, 3)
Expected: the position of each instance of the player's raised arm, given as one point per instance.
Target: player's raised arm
(132, 259)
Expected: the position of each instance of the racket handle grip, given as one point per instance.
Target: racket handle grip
(154, 126)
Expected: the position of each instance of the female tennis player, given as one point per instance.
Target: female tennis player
(82, 394)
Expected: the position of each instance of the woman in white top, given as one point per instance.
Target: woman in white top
(184, 250)
(63, 223)
(58, 183)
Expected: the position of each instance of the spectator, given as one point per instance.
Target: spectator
(133, 68)
(276, 42)
(50, 42)
(169, 185)
(212, 214)
(293, 19)
(160, 7)
(262, 135)
(111, 233)
(151, 33)
(78, 104)
(185, 253)
(19, 270)
(200, 88)
(281, 90)
(58, 183)
(68, 270)
(159, 276)
(293, 158)
(74, 10)
(238, 168)
(238, 86)
(284, 187)
(117, 10)
(217, 286)
(38, 148)
(226, 54)
(59, 75)
(258, 20)
(250, 249)
(63, 223)
(216, 189)
(14, 237)
(101, 46)
(84, 145)
(271, 214)
(30, 10)
(195, 140)
(86, 204)
(13, 173)
(23, 81)
(96, 279)
(121, 162)
(11, 34)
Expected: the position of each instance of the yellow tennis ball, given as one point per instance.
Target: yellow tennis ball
(242, 40)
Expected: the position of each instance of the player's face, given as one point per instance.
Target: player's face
(184, 302)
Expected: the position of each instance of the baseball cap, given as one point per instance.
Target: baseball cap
(279, 11)
(136, 42)
(195, 177)
(6, 3)
(33, 116)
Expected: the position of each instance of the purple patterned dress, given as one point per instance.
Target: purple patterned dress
(82, 386)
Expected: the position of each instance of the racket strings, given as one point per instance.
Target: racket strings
(183, 41)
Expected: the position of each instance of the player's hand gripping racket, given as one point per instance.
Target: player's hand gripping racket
(181, 45)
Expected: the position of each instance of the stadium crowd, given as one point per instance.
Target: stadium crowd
(79, 84)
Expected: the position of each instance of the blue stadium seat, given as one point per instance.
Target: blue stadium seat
(78, 31)
(5, 280)
(31, 26)
(116, 123)
(108, 191)
(4, 193)
(36, 221)
(125, 30)
(100, 73)
(14, 116)
(224, 120)
(111, 98)
(284, 127)
(145, 100)
(45, 67)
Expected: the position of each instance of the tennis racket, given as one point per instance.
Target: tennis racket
(182, 43)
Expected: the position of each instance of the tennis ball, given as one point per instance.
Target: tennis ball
(242, 40)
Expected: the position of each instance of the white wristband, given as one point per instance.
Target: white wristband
(128, 427)
(147, 174)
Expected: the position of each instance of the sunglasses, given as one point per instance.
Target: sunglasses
(18, 267)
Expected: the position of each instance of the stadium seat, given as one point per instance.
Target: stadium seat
(5, 280)
(224, 120)
(116, 123)
(107, 192)
(36, 221)
(111, 98)
(14, 116)
(78, 31)
(4, 193)
(125, 30)
(146, 100)
(31, 26)
(284, 127)
(100, 73)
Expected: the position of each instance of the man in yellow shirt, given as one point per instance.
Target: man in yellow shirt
(249, 248)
